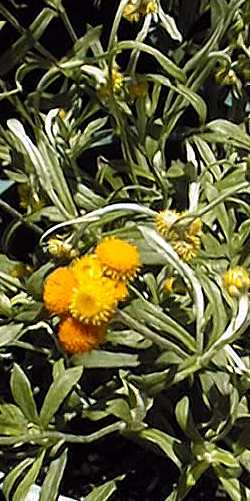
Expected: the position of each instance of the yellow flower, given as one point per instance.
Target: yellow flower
(113, 84)
(94, 300)
(187, 248)
(89, 265)
(184, 239)
(236, 281)
(131, 13)
(76, 337)
(60, 248)
(148, 8)
(164, 222)
(119, 258)
(168, 285)
(135, 9)
(58, 288)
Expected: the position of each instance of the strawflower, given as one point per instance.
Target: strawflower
(76, 337)
(119, 258)
(236, 281)
(94, 300)
(89, 265)
(184, 239)
(58, 288)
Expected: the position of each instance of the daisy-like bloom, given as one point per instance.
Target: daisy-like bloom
(119, 258)
(184, 240)
(187, 248)
(76, 337)
(58, 288)
(94, 300)
(87, 265)
(165, 221)
(236, 281)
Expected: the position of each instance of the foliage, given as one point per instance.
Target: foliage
(135, 117)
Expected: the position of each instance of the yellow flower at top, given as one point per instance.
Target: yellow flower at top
(58, 288)
(236, 281)
(76, 337)
(131, 13)
(135, 9)
(119, 258)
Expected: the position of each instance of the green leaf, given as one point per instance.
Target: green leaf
(103, 492)
(169, 25)
(29, 479)
(166, 63)
(17, 51)
(12, 477)
(185, 419)
(129, 338)
(22, 394)
(119, 408)
(57, 393)
(35, 282)
(168, 444)
(9, 333)
(53, 478)
(101, 358)
(190, 477)
(12, 420)
(195, 100)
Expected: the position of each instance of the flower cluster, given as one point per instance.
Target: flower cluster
(86, 293)
(135, 9)
(185, 239)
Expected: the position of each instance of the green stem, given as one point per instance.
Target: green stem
(65, 437)
(13, 212)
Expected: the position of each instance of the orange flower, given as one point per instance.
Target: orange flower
(76, 337)
(119, 258)
(58, 290)
(89, 265)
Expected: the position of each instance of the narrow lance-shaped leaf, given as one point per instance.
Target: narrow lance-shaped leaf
(29, 479)
(57, 392)
(22, 394)
(12, 477)
(53, 478)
